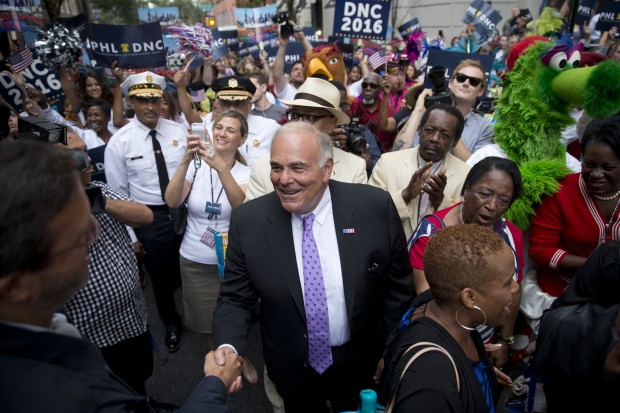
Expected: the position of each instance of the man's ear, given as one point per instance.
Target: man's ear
(329, 167)
(15, 287)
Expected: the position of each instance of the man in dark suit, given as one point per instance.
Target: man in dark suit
(46, 228)
(322, 344)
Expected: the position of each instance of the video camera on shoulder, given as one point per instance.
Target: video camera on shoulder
(93, 192)
(286, 28)
(356, 143)
(441, 94)
(32, 127)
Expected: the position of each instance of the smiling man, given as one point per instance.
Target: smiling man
(140, 159)
(426, 178)
(324, 346)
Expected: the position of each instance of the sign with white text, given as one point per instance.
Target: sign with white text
(37, 75)
(363, 19)
(609, 17)
(483, 16)
(133, 46)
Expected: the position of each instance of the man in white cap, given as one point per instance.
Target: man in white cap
(232, 92)
(140, 158)
(316, 102)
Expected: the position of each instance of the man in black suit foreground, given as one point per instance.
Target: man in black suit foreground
(322, 344)
(46, 228)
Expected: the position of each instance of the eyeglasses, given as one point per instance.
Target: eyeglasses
(93, 232)
(474, 81)
(371, 85)
(305, 117)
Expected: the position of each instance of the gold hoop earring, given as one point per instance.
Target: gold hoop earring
(456, 317)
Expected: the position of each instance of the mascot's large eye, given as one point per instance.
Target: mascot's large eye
(558, 61)
(575, 59)
(333, 60)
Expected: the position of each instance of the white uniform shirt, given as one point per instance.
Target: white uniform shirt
(260, 136)
(130, 160)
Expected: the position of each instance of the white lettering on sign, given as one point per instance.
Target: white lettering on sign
(607, 16)
(147, 46)
(362, 18)
(486, 22)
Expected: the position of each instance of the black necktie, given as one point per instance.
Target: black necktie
(162, 172)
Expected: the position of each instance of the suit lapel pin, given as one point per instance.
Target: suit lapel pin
(348, 230)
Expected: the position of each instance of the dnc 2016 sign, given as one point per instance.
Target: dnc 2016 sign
(366, 19)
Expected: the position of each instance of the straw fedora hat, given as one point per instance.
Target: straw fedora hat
(319, 93)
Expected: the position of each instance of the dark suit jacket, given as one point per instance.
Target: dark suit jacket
(48, 372)
(260, 264)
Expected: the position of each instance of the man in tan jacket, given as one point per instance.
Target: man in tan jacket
(425, 178)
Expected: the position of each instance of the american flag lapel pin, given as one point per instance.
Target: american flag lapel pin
(348, 230)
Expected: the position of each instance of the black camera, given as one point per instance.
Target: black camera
(94, 194)
(286, 28)
(31, 127)
(356, 143)
(441, 94)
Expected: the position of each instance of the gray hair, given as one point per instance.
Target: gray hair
(326, 150)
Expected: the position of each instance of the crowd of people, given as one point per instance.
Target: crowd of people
(357, 259)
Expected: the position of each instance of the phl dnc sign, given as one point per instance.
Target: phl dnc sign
(362, 19)
(133, 46)
(483, 16)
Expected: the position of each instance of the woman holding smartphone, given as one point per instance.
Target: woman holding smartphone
(220, 175)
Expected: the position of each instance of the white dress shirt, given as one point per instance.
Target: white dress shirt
(130, 160)
(324, 232)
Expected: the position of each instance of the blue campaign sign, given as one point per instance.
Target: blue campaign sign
(483, 16)
(610, 17)
(96, 160)
(133, 46)
(585, 11)
(37, 75)
(407, 28)
(294, 52)
(363, 19)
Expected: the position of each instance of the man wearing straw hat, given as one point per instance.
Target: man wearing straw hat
(316, 102)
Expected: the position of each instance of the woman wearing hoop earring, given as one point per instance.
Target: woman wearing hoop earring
(490, 188)
(470, 272)
(583, 214)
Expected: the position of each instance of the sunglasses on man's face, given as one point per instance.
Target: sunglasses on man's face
(474, 81)
(371, 85)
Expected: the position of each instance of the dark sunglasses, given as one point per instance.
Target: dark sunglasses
(305, 117)
(371, 85)
(474, 81)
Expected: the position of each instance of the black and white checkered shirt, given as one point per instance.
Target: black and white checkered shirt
(110, 307)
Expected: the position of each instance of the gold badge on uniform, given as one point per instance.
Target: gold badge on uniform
(175, 143)
(256, 142)
(233, 83)
(149, 78)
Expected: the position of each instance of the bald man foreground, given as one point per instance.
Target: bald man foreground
(361, 261)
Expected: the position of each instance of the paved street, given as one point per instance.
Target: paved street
(175, 375)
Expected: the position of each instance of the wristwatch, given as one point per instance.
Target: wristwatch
(508, 340)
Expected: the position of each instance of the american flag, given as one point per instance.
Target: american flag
(20, 61)
(378, 59)
(197, 95)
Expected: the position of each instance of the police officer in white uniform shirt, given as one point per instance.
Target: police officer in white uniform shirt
(235, 92)
(140, 160)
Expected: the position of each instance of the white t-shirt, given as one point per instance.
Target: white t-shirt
(192, 248)
(288, 93)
